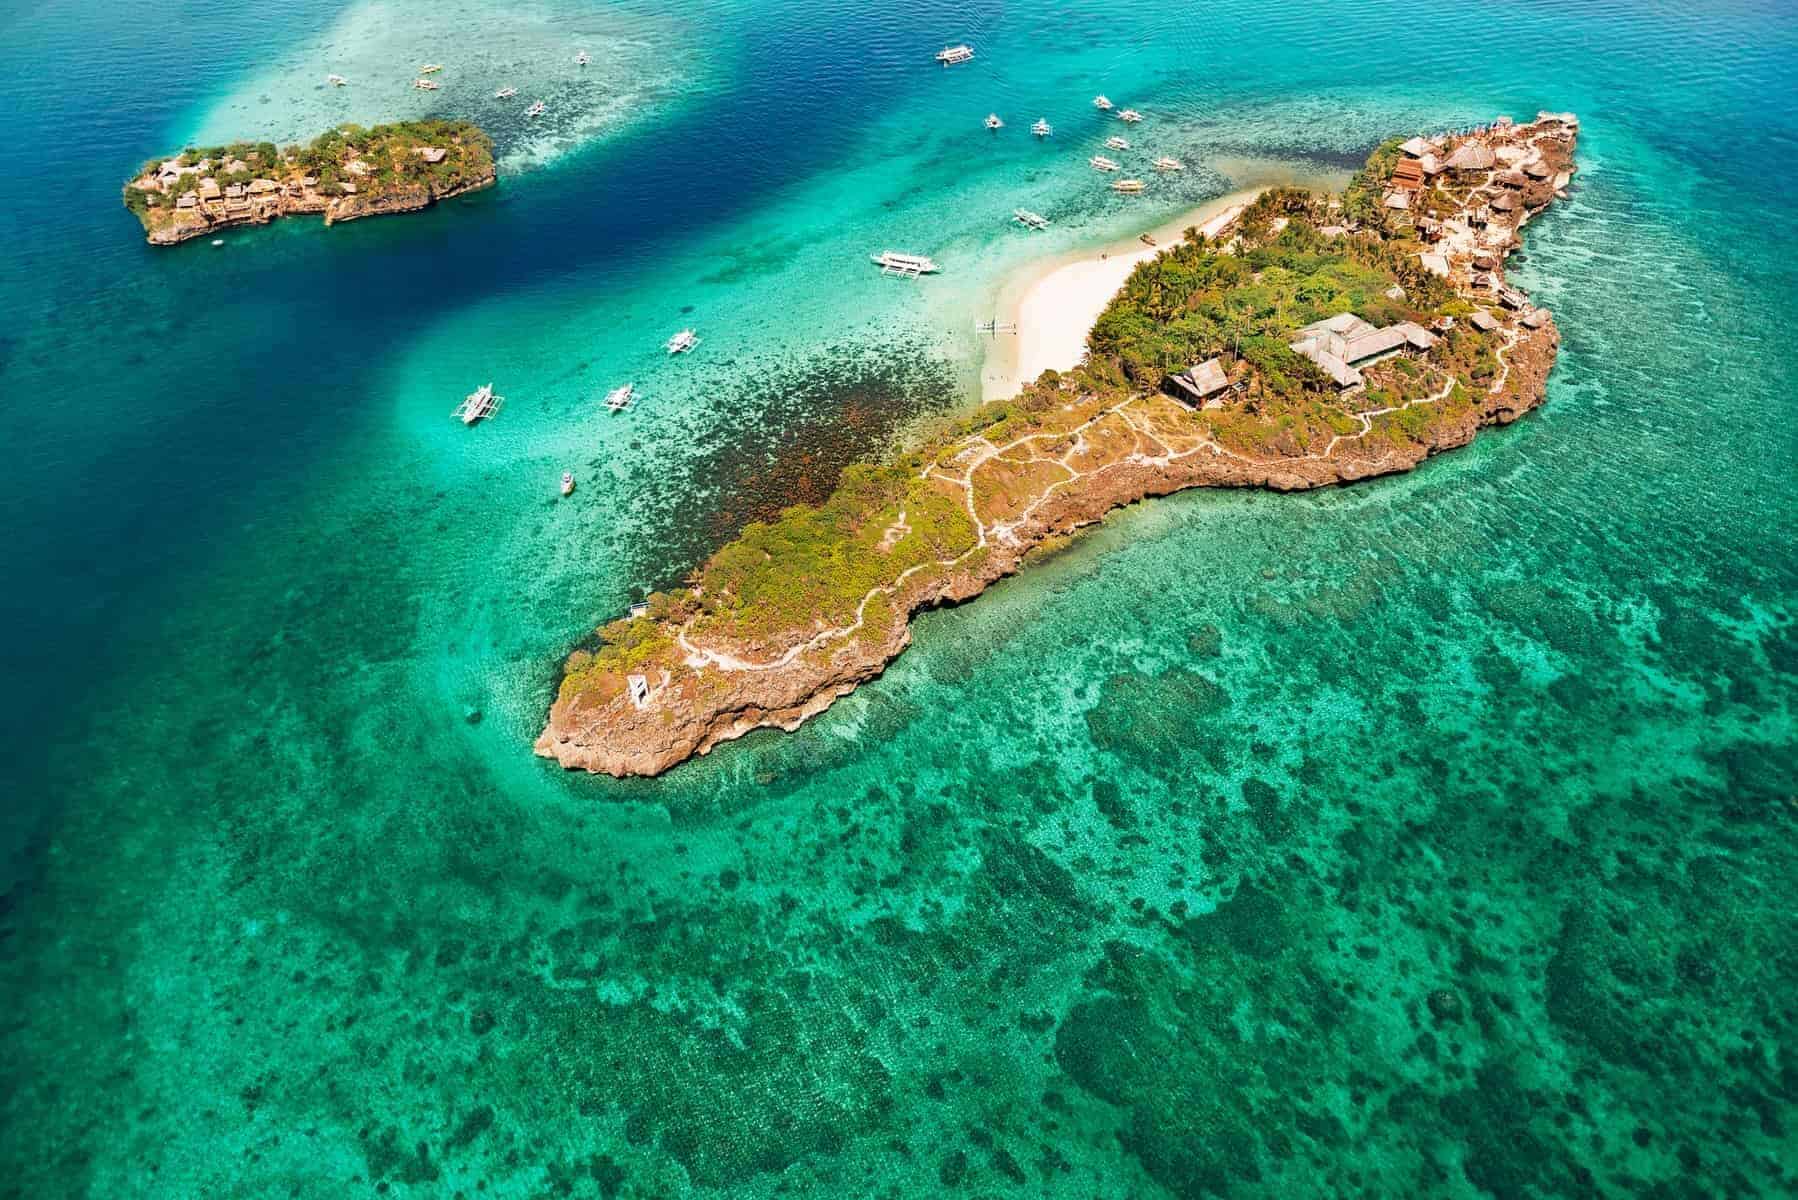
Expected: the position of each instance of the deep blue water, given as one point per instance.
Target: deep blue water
(1424, 837)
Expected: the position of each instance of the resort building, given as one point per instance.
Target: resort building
(1471, 157)
(1204, 385)
(1482, 320)
(1345, 345)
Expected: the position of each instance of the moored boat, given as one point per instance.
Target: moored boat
(950, 55)
(1128, 185)
(1101, 103)
(567, 483)
(1164, 163)
(336, 80)
(505, 93)
(1130, 115)
(682, 342)
(582, 58)
(535, 110)
(619, 398)
(430, 68)
(1042, 128)
(425, 85)
(1099, 162)
(478, 405)
(895, 262)
(993, 121)
(1033, 219)
(1118, 143)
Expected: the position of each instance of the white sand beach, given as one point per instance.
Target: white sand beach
(1056, 302)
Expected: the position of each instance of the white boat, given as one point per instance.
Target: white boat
(505, 93)
(1127, 185)
(1034, 220)
(1164, 163)
(218, 241)
(993, 121)
(567, 483)
(682, 342)
(336, 80)
(895, 262)
(950, 55)
(1102, 104)
(1117, 143)
(1099, 162)
(619, 398)
(425, 85)
(1042, 128)
(478, 404)
(430, 68)
(535, 110)
(1130, 115)
(582, 59)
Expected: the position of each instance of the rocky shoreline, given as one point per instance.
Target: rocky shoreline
(335, 210)
(672, 685)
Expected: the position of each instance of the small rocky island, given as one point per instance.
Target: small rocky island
(344, 174)
(1315, 340)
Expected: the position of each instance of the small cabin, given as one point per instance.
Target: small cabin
(234, 191)
(639, 691)
(432, 154)
(209, 189)
(1536, 318)
(1408, 174)
(1482, 320)
(1204, 385)
(187, 200)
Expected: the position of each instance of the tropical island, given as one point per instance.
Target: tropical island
(346, 173)
(1310, 339)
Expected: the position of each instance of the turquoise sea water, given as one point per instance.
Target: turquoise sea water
(1433, 836)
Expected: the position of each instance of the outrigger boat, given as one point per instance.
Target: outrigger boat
(893, 262)
(1042, 128)
(478, 405)
(1099, 162)
(535, 110)
(1164, 163)
(1102, 104)
(619, 398)
(1117, 143)
(568, 483)
(1035, 220)
(1130, 115)
(1127, 185)
(582, 58)
(682, 342)
(993, 121)
(950, 55)
(430, 68)
(336, 80)
(425, 85)
(505, 93)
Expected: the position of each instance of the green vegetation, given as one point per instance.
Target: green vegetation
(814, 567)
(388, 154)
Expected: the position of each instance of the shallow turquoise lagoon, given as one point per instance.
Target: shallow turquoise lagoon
(1433, 836)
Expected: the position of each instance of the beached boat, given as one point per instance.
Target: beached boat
(993, 121)
(535, 110)
(619, 398)
(336, 80)
(1035, 220)
(568, 483)
(1102, 104)
(1164, 163)
(1128, 185)
(1099, 162)
(1130, 115)
(430, 68)
(1118, 143)
(682, 342)
(478, 405)
(950, 55)
(425, 85)
(582, 58)
(894, 262)
(1042, 128)
(505, 93)
(1147, 239)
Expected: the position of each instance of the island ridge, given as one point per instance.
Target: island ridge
(1314, 339)
(345, 173)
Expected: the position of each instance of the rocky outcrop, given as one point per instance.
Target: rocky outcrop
(699, 696)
